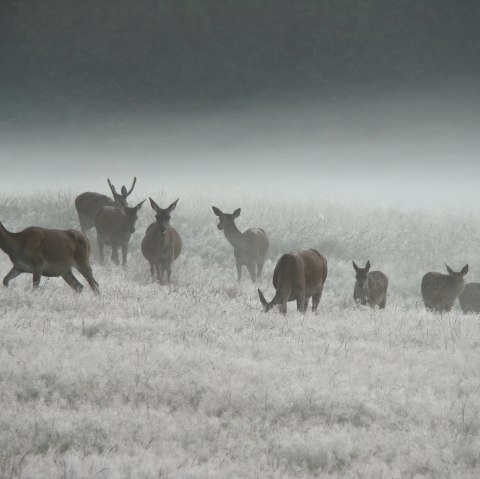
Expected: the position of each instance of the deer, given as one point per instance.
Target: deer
(297, 277)
(470, 298)
(88, 204)
(50, 253)
(439, 291)
(249, 248)
(162, 244)
(115, 225)
(370, 286)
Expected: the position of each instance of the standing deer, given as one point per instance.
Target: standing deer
(114, 227)
(249, 248)
(89, 204)
(162, 244)
(47, 252)
(370, 286)
(297, 277)
(470, 298)
(439, 291)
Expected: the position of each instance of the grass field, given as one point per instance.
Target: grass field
(192, 380)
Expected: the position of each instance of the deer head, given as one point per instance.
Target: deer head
(163, 215)
(131, 213)
(121, 199)
(226, 219)
(460, 274)
(361, 273)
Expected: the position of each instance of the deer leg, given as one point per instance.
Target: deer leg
(13, 273)
(316, 299)
(307, 300)
(301, 302)
(152, 271)
(159, 269)
(101, 245)
(124, 253)
(382, 303)
(37, 274)
(251, 270)
(115, 254)
(239, 270)
(259, 270)
(86, 272)
(72, 282)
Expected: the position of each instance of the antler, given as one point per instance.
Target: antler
(114, 191)
(133, 186)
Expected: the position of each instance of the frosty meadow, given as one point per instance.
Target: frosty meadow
(192, 379)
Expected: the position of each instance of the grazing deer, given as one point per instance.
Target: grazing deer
(470, 298)
(370, 286)
(439, 291)
(162, 244)
(47, 252)
(114, 227)
(297, 277)
(249, 248)
(89, 204)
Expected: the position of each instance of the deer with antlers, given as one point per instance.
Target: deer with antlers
(48, 252)
(162, 244)
(249, 248)
(88, 204)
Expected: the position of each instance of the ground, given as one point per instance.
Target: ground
(192, 380)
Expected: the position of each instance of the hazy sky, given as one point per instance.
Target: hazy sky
(378, 101)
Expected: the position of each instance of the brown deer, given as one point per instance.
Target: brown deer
(162, 244)
(249, 248)
(470, 298)
(297, 277)
(439, 291)
(114, 226)
(88, 204)
(47, 252)
(370, 286)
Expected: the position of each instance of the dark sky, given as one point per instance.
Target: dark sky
(190, 53)
(354, 98)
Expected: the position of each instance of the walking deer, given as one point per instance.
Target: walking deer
(249, 248)
(470, 298)
(48, 252)
(114, 226)
(162, 244)
(370, 286)
(297, 277)
(88, 204)
(439, 291)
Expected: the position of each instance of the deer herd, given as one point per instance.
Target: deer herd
(298, 276)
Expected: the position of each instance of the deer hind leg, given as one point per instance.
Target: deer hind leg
(152, 271)
(37, 274)
(159, 270)
(73, 282)
(307, 300)
(301, 300)
(124, 253)
(101, 245)
(382, 303)
(169, 270)
(86, 272)
(13, 273)
(316, 299)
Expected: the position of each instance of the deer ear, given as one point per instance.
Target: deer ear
(367, 267)
(450, 271)
(173, 205)
(217, 211)
(464, 270)
(355, 267)
(236, 213)
(153, 204)
(262, 298)
(140, 204)
(123, 190)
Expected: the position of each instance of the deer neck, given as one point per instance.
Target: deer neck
(234, 236)
(8, 242)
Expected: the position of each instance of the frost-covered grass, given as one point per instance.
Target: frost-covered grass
(192, 380)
